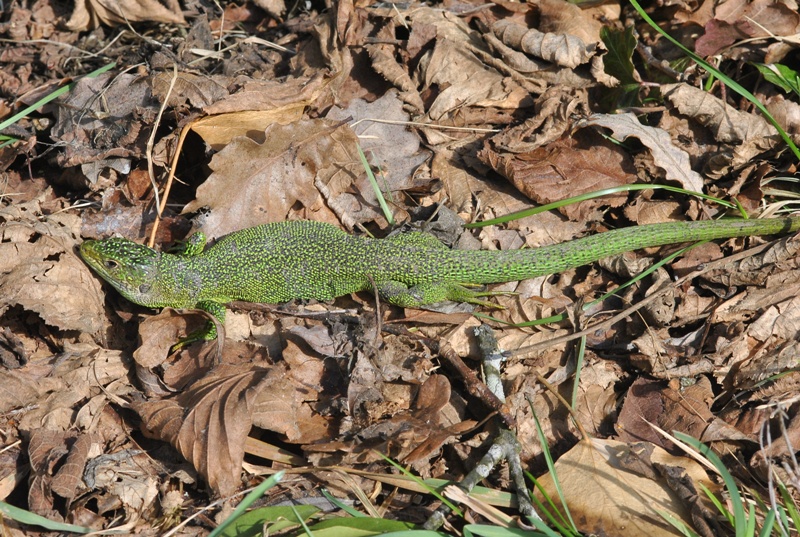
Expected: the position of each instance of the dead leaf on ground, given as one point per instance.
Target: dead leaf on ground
(668, 157)
(567, 167)
(40, 268)
(606, 499)
(92, 13)
(307, 162)
(466, 82)
(83, 130)
(685, 410)
(209, 421)
(563, 50)
(182, 88)
(386, 141)
(251, 110)
(737, 20)
(726, 123)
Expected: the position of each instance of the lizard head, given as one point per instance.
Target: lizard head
(130, 267)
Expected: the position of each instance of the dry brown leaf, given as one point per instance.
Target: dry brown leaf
(129, 478)
(720, 34)
(726, 123)
(735, 20)
(271, 95)
(686, 410)
(786, 112)
(160, 332)
(556, 109)
(87, 374)
(386, 141)
(562, 17)
(68, 481)
(606, 499)
(46, 449)
(288, 404)
(82, 126)
(564, 50)
(275, 8)
(667, 156)
(199, 91)
(92, 13)
(218, 130)
(459, 78)
(306, 162)
(40, 269)
(567, 167)
(209, 421)
(385, 64)
(25, 386)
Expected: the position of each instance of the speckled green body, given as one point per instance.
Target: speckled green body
(282, 261)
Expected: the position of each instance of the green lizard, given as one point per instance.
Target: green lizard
(282, 261)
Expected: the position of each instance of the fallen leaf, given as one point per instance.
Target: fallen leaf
(209, 421)
(668, 157)
(605, 499)
(92, 13)
(563, 50)
(305, 162)
(39, 268)
(726, 123)
(199, 91)
(567, 167)
(386, 141)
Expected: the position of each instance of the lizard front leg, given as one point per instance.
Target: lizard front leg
(209, 331)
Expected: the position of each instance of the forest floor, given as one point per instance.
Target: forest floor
(466, 111)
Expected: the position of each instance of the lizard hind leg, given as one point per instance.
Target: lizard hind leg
(399, 294)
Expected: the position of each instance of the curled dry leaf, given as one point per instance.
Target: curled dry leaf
(564, 50)
(567, 167)
(258, 104)
(465, 85)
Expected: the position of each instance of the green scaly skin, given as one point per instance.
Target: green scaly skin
(282, 261)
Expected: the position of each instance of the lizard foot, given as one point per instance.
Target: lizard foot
(399, 294)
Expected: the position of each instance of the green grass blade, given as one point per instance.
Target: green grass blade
(768, 524)
(453, 507)
(248, 500)
(26, 517)
(551, 468)
(53, 95)
(677, 524)
(484, 530)
(387, 213)
(581, 351)
(740, 519)
(341, 505)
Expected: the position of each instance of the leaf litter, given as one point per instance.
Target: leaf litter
(466, 112)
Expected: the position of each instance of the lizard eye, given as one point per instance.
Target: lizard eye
(144, 288)
(110, 264)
